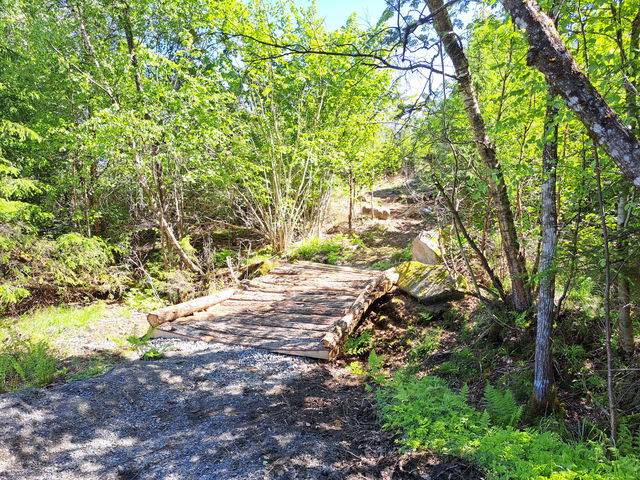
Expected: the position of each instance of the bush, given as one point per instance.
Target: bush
(319, 250)
(25, 363)
(53, 269)
(80, 260)
(431, 416)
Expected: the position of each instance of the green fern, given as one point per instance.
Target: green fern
(501, 407)
(357, 345)
(629, 435)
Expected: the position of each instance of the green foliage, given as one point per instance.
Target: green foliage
(360, 344)
(374, 368)
(71, 261)
(426, 345)
(152, 354)
(25, 362)
(220, 257)
(448, 368)
(143, 299)
(382, 265)
(356, 368)
(60, 321)
(501, 407)
(29, 351)
(431, 416)
(10, 294)
(629, 435)
(142, 347)
(80, 258)
(98, 366)
(327, 250)
(400, 256)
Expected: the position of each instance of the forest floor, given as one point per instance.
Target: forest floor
(220, 412)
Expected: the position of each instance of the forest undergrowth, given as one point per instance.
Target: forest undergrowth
(444, 385)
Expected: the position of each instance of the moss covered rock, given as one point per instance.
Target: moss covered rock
(261, 267)
(427, 283)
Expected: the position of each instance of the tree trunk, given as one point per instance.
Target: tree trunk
(625, 326)
(607, 299)
(487, 152)
(351, 195)
(549, 54)
(156, 202)
(543, 390)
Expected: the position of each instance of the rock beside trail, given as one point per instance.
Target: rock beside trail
(426, 248)
(381, 213)
(427, 283)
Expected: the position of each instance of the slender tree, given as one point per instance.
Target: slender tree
(487, 153)
(543, 371)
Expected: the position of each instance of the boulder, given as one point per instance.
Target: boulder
(382, 213)
(426, 248)
(427, 283)
(261, 267)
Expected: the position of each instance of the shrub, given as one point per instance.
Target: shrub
(53, 268)
(80, 260)
(319, 250)
(25, 363)
(431, 416)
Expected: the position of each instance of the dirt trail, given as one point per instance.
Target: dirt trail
(204, 412)
(212, 412)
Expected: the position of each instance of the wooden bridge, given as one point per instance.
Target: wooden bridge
(302, 309)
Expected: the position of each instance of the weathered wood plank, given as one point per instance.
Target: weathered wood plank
(298, 309)
(378, 287)
(257, 342)
(320, 323)
(312, 298)
(167, 314)
(311, 290)
(293, 308)
(321, 354)
(254, 331)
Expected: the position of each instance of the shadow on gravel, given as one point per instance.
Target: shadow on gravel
(227, 414)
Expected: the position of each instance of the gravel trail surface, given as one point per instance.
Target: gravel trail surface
(203, 411)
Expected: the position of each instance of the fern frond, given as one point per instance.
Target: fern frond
(501, 407)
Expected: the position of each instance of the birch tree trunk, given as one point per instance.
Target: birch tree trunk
(487, 152)
(549, 54)
(543, 372)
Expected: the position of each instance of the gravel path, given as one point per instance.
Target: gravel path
(204, 411)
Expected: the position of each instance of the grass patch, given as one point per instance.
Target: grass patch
(97, 366)
(60, 321)
(27, 356)
(333, 251)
